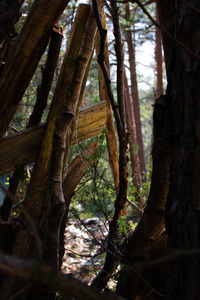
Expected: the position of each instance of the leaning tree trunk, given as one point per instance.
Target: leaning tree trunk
(26, 53)
(44, 199)
(183, 126)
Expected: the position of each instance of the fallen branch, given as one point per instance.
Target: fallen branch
(21, 148)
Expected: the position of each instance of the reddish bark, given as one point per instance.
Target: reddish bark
(135, 96)
(132, 140)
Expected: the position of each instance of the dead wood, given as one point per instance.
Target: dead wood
(76, 170)
(110, 133)
(39, 107)
(25, 55)
(22, 148)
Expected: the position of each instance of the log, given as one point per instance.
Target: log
(21, 148)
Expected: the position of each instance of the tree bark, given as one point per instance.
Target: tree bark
(182, 210)
(151, 224)
(134, 92)
(110, 133)
(132, 141)
(42, 202)
(39, 107)
(22, 148)
(112, 259)
(159, 61)
(26, 53)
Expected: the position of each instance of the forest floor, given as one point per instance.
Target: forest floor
(85, 243)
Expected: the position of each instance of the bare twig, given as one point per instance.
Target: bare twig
(135, 206)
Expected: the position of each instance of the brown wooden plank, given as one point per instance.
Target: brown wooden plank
(21, 148)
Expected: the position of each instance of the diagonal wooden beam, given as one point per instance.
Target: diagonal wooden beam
(21, 148)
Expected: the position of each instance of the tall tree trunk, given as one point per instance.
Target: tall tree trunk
(134, 92)
(159, 61)
(132, 141)
(183, 119)
(112, 260)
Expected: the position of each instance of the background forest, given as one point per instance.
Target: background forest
(99, 155)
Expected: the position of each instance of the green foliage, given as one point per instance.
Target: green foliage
(123, 228)
(95, 194)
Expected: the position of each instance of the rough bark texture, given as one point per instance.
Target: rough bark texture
(183, 111)
(22, 148)
(25, 55)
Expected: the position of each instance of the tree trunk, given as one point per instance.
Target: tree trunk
(110, 132)
(159, 61)
(26, 53)
(151, 224)
(134, 91)
(39, 107)
(112, 260)
(44, 198)
(182, 210)
(132, 141)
